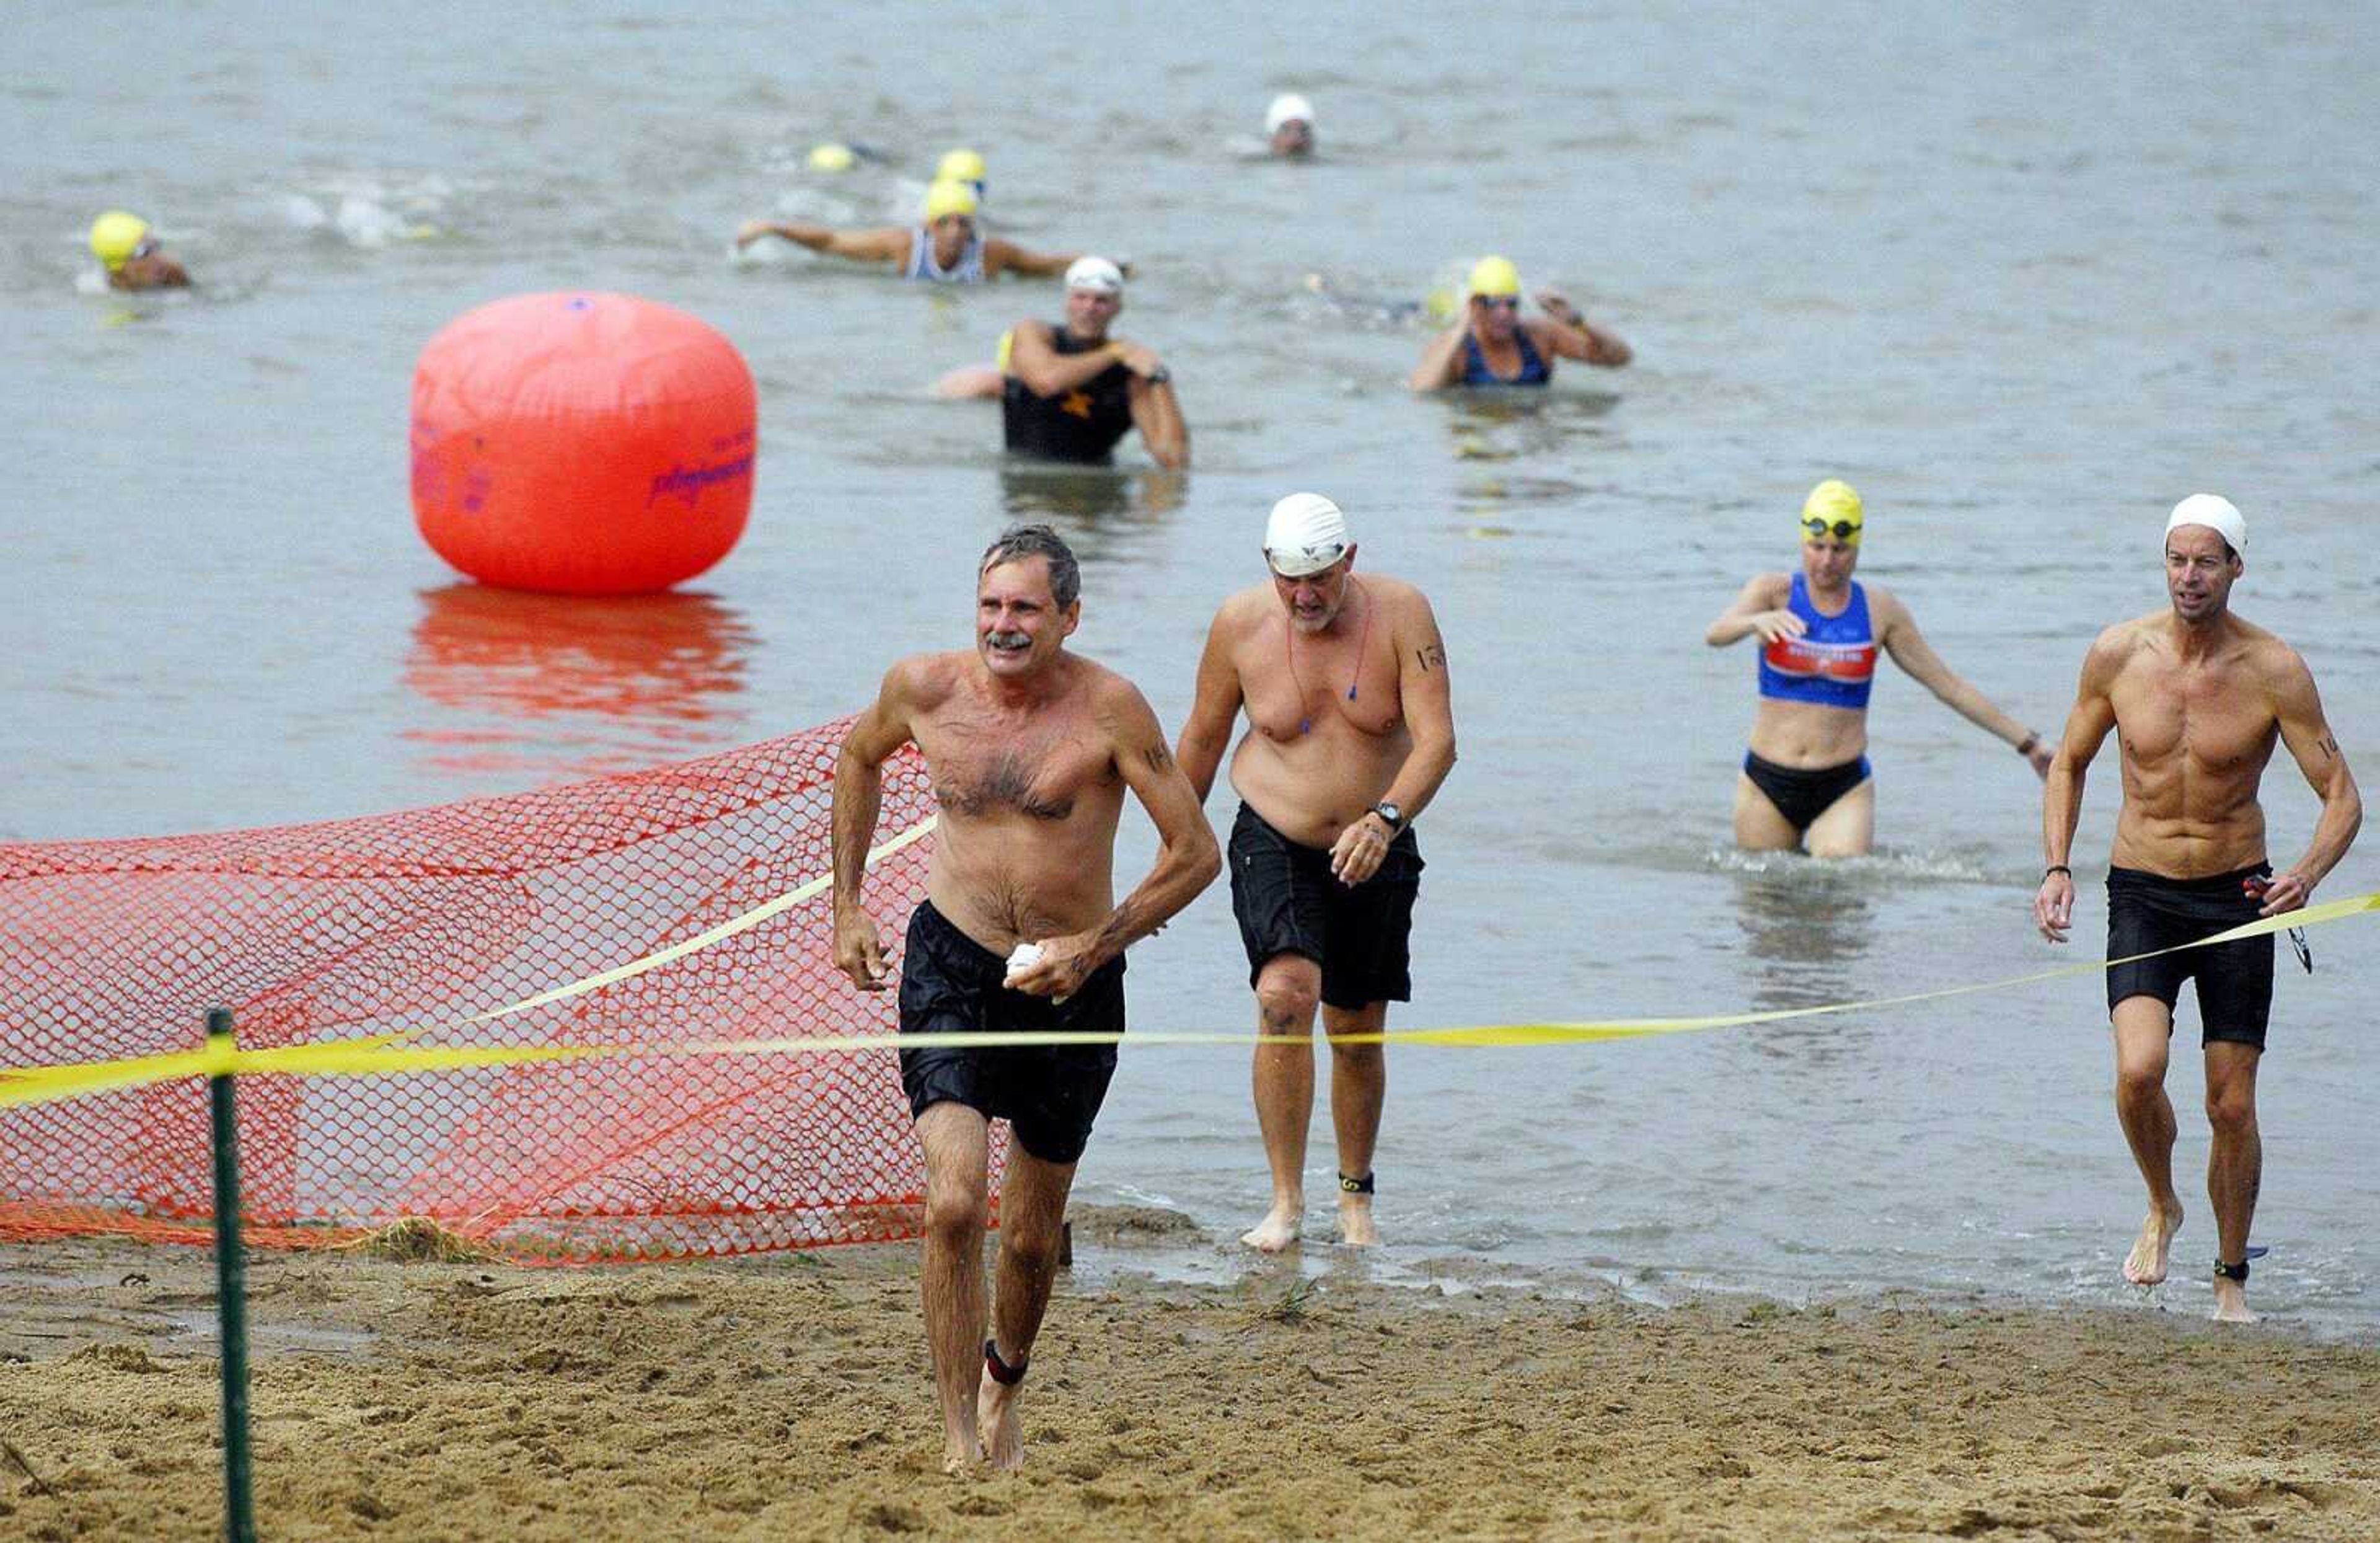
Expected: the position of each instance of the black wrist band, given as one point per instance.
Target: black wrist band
(2057, 868)
(2031, 739)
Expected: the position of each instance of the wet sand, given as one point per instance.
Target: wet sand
(787, 1397)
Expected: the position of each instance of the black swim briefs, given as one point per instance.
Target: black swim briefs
(1048, 1094)
(1288, 903)
(1803, 795)
(2147, 911)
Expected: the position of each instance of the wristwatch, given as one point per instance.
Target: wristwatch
(1393, 815)
(1161, 374)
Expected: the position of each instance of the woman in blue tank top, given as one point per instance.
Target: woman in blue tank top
(1806, 779)
(1495, 347)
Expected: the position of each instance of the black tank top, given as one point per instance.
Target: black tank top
(1079, 425)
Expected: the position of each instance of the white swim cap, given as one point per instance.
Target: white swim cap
(1286, 106)
(1305, 535)
(1096, 274)
(2216, 513)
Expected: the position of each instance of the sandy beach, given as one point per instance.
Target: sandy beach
(787, 1397)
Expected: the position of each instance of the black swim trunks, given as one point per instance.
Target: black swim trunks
(2147, 911)
(1048, 1094)
(1288, 903)
(1803, 795)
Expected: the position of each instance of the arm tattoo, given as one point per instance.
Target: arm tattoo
(1431, 657)
(1160, 758)
(1119, 930)
(2328, 746)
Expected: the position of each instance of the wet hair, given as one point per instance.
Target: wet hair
(1020, 541)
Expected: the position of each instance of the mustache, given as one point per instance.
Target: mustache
(1008, 639)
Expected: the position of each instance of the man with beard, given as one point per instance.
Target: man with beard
(1351, 732)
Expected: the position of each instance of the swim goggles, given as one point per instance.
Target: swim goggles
(1498, 302)
(1843, 529)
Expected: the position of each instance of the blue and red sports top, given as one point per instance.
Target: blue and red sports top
(1833, 663)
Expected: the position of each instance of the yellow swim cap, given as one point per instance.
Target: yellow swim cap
(115, 236)
(1493, 276)
(961, 165)
(948, 198)
(1833, 509)
(831, 157)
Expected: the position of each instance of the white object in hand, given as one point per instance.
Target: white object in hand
(1023, 956)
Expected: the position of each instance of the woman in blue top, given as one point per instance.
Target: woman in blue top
(1495, 347)
(1806, 776)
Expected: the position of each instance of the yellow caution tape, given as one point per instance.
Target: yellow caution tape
(19, 1085)
(383, 1055)
(808, 890)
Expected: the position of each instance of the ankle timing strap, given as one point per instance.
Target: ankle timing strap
(1002, 1372)
(1355, 1186)
(2238, 1271)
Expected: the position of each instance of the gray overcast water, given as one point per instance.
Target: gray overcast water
(2024, 274)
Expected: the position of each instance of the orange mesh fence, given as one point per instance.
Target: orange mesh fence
(415, 922)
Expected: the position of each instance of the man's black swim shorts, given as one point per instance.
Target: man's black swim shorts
(1048, 1094)
(2147, 911)
(1288, 903)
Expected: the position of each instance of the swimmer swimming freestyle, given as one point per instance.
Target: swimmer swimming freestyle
(1288, 127)
(947, 248)
(1805, 779)
(128, 248)
(965, 167)
(1493, 345)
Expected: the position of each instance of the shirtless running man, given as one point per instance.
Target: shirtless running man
(1031, 749)
(1351, 733)
(2197, 698)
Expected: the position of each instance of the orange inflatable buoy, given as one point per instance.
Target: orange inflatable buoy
(582, 444)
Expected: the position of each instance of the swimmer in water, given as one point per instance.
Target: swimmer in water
(965, 166)
(948, 248)
(1069, 392)
(1805, 779)
(1351, 733)
(128, 248)
(1288, 127)
(1492, 346)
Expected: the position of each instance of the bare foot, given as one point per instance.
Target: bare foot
(2144, 1266)
(1278, 1230)
(2231, 1302)
(1002, 1424)
(1355, 1229)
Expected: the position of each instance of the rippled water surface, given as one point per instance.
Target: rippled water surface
(2025, 274)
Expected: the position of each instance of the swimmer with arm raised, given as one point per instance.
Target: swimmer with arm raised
(1493, 345)
(948, 248)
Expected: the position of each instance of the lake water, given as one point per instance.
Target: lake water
(2025, 274)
